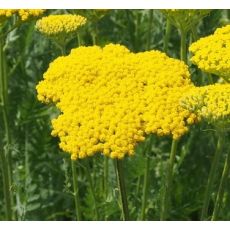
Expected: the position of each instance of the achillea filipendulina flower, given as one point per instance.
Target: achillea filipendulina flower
(110, 99)
(60, 25)
(26, 14)
(212, 53)
(23, 14)
(210, 102)
(4, 14)
(185, 19)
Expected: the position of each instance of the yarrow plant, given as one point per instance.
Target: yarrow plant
(111, 99)
(209, 102)
(211, 53)
(23, 14)
(185, 19)
(113, 108)
(60, 28)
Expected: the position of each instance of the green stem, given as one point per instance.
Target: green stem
(78, 39)
(76, 191)
(183, 51)
(6, 155)
(148, 44)
(122, 190)
(212, 176)
(105, 182)
(220, 194)
(145, 188)
(6, 187)
(89, 177)
(167, 36)
(168, 182)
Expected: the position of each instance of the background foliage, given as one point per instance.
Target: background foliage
(42, 181)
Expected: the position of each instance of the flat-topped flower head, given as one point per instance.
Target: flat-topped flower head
(111, 98)
(185, 19)
(210, 102)
(60, 27)
(26, 14)
(212, 53)
(22, 14)
(4, 14)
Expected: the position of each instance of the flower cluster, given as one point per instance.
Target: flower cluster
(23, 14)
(211, 53)
(58, 25)
(4, 14)
(27, 14)
(210, 102)
(185, 19)
(111, 98)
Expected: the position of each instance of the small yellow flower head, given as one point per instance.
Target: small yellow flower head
(55, 26)
(209, 102)
(185, 19)
(111, 98)
(25, 14)
(212, 53)
(4, 14)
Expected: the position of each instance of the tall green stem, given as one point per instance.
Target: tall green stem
(212, 176)
(122, 190)
(6, 187)
(183, 51)
(6, 155)
(167, 36)
(105, 181)
(220, 194)
(89, 177)
(168, 182)
(145, 188)
(76, 191)
(149, 35)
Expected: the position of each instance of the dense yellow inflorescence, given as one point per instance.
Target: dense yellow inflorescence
(26, 14)
(54, 25)
(111, 98)
(210, 102)
(212, 53)
(185, 19)
(23, 14)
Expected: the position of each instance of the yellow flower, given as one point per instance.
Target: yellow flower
(209, 102)
(211, 53)
(54, 25)
(111, 98)
(25, 14)
(4, 14)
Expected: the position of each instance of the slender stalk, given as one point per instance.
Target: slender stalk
(78, 39)
(105, 181)
(6, 187)
(139, 180)
(168, 182)
(92, 191)
(6, 155)
(212, 176)
(148, 43)
(219, 198)
(76, 191)
(167, 36)
(122, 190)
(145, 188)
(183, 51)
